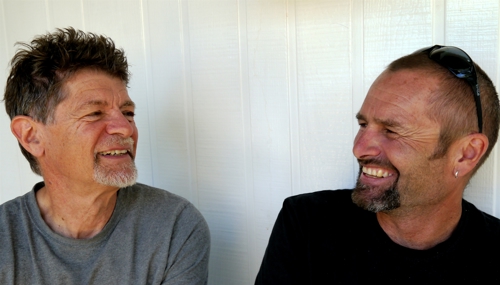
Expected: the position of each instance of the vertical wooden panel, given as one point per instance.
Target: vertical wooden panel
(324, 86)
(495, 185)
(438, 21)
(24, 19)
(219, 134)
(293, 97)
(3, 45)
(473, 32)
(392, 29)
(65, 13)
(169, 140)
(21, 21)
(9, 172)
(496, 150)
(357, 69)
(249, 223)
(270, 123)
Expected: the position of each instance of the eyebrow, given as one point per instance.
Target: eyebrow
(127, 103)
(386, 122)
(360, 117)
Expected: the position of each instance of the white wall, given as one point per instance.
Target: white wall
(243, 103)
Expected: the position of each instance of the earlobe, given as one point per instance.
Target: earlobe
(473, 147)
(25, 129)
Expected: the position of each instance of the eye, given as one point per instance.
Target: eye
(129, 114)
(95, 114)
(362, 124)
(391, 133)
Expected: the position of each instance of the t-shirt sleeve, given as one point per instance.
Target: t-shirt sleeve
(282, 260)
(190, 249)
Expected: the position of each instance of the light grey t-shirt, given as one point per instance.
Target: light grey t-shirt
(153, 237)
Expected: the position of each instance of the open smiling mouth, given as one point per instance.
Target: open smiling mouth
(115, 153)
(376, 172)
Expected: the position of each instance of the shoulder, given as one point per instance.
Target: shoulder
(18, 209)
(15, 225)
(140, 195)
(312, 210)
(326, 199)
(157, 205)
(482, 221)
(323, 196)
(11, 205)
(11, 210)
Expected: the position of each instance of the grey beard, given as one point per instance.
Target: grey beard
(126, 176)
(388, 200)
(123, 177)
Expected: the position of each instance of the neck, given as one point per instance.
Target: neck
(76, 213)
(421, 227)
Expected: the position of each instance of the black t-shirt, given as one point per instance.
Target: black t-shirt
(323, 238)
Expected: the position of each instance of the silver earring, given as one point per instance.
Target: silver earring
(456, 174)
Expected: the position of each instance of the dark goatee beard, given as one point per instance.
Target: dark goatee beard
(387, 200)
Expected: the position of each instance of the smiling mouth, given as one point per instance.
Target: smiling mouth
(115, 152)
(376, 172)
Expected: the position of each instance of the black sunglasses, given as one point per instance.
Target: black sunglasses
(460, 64)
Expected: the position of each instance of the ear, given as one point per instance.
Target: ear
(27, 132)
(469, 152)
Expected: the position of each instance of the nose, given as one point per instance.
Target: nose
(119, 124)
(367, 144)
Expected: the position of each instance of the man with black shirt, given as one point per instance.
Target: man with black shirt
(427, 124)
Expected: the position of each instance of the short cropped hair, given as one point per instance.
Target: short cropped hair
(39, 70)
(453, 105)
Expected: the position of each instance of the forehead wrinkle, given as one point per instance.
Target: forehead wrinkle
(94, 103)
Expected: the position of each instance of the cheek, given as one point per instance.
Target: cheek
(417, 149)
(408, 159)
(398, 154)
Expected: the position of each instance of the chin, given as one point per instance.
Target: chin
(376, 200)
(116, 178)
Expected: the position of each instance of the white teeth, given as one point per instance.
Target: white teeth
(367, 171)
(114, 152)
(376, 172)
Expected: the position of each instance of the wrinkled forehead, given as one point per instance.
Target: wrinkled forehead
(400, 94)
(88, 84)
(412, 86)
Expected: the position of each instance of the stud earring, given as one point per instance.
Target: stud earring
(456, 174)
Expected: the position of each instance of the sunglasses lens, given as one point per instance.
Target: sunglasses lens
(460, 65)
(454, 59)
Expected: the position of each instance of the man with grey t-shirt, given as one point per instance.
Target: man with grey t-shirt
(88, 222)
